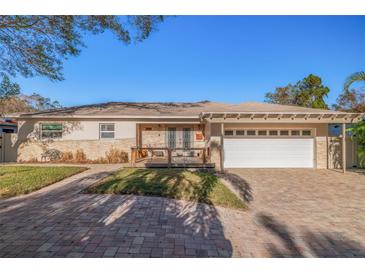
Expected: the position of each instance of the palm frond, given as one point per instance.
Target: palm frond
(355, 77)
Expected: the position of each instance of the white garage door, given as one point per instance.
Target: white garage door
(266, 153)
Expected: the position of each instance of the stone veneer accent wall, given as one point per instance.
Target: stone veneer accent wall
(321, 152)
(94, 149)
(215, 151)
(156, 135)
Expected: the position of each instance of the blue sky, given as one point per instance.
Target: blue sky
(218, 58)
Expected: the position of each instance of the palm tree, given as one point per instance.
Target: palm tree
(355, 77)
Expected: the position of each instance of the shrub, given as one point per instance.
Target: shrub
(67, 157)
(115, 156)
(52, 154)
(80, 156)
(358, 131)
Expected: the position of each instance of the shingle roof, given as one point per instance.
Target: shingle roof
(169, 109)
(7, 123)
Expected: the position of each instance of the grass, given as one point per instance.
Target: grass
(171, 183)
(17, 180)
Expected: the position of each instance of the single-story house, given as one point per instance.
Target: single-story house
(246, 135)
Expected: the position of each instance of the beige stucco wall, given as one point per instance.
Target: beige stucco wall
(77, 135)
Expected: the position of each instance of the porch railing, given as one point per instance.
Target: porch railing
(169, 156)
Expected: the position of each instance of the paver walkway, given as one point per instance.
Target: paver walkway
(294, 213)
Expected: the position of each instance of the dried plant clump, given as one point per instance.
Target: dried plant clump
(80, 156)
(67, 157)
(113, 156)
(116, 156)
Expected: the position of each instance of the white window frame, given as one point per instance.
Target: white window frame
(278, 130)
(244, 132)
(291, 132)
(100, 131)
(251, 135)
(233, 132)
(262, 136)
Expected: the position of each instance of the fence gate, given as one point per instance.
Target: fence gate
(8, 147)
(2, 156)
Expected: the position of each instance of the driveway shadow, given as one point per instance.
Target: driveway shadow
(240, 185)
(62, 222)
(313, 244)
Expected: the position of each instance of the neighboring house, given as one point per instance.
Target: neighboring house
(247, 135)
(7, 130)
(8, 126)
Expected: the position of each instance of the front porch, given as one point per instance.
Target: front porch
(166, 157)
(171, 145)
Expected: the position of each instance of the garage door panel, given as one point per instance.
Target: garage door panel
(251, 152)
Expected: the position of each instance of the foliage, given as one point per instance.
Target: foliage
(358, 132)
(38, 44)
(67, 157)
(8, 89)
(52, 154)
(80, 156)
(309, 92)
(114, 156)
(353, 78)
(351, 101)
(13, 100)
(171, 183)
(17, 180)
(38, 102)
(14, 104)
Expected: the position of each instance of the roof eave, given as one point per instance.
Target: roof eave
(19, 117)
(284, 117)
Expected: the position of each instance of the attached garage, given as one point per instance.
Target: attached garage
(268, 149)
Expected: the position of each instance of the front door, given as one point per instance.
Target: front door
(171, 137)
(186, 138)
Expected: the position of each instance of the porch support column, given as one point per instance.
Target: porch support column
(344, 147)
(222, 148)
(133, 156)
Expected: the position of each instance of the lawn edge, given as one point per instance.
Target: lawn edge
(47, 185)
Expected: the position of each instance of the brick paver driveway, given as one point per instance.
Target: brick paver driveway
(294, 213)
(302, 212)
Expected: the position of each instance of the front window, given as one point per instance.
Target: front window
(51, 130)
(107, 131)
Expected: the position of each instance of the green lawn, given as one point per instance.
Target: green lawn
(172, 183)
(17, 180)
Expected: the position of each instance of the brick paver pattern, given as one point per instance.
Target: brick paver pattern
(291, 213)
